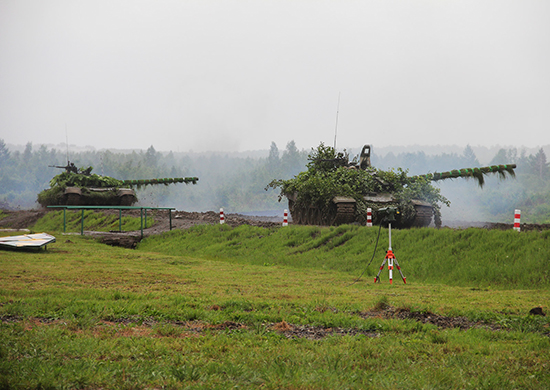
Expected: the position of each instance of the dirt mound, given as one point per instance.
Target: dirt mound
(21, 219)
(211, 217)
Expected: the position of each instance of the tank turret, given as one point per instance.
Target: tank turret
(335, 191)
(80, 187)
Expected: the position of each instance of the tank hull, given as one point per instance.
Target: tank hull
(343, 210)
(76, 196)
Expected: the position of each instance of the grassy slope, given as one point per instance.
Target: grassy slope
(93, 220)
(83, 314)
(472, 257)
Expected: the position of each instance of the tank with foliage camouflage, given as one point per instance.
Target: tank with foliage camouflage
(335, 190)
(81, 187)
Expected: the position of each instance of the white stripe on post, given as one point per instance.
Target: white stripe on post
(285, 219)
(222, 217)
(369, 216)
(517, 218)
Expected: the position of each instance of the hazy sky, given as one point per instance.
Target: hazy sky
(238, 74)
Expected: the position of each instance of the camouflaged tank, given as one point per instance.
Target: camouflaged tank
(342, 201)
(81, 187)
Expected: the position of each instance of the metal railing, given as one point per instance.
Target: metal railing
(119, 208)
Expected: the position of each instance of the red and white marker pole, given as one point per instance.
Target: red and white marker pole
(369, 216)
(222, 217)
(517, 218)
(285, 218)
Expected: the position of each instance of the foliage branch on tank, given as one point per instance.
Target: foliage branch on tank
(71, 179)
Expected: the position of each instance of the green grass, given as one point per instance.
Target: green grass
(471, 257)
(93, 220)
(202, 309)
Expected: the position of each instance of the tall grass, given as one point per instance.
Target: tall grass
(470, 257)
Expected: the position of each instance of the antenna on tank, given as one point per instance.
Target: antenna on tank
(67, 142)
(336, 127)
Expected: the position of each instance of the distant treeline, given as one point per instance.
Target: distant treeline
(238, 183)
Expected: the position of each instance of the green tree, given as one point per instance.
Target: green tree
(469, 158)
(151, 157)
(4, 154)
(273, 158)
(539, 164)
(293, 161)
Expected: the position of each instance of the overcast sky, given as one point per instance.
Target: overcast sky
(236, 74)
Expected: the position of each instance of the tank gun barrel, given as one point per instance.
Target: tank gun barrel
(164, 181)
(476, 173)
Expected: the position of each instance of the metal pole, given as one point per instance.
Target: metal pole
(145, 218)
(141, 222)
(82, 223)
(170, 216)
(119, 220)
(389, 225)
(64, 220)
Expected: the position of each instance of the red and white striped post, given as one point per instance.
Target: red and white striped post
(222, 217)
(517, 218)
(285, 218)
(369, 216)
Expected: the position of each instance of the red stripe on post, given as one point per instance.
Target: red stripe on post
(517, 220)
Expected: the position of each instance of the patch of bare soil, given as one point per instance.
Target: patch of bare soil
(438, 320)
(20, 219)
(311, 332)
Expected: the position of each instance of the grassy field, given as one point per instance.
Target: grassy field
(220, 307)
